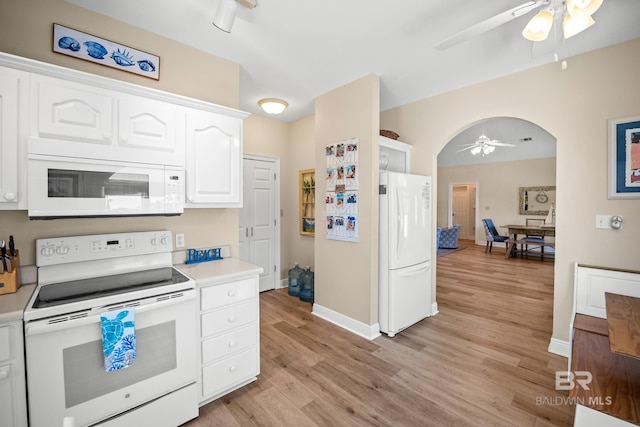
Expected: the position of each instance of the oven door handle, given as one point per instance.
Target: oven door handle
(65, 322)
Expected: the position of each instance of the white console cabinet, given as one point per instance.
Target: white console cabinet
(13, 124)
(13, 394)
(229, 325)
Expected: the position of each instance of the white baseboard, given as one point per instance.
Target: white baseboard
(366, 331)
(284, 283)
(434, 308)
(559, 347)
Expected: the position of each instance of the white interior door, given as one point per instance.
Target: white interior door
(461, 209)
(259, 228)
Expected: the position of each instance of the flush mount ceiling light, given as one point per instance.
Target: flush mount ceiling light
(273, 105)
(226, 13)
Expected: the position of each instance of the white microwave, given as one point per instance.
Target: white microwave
(62, 187)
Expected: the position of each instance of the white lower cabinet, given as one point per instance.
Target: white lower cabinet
(229, 344)
(13, 395)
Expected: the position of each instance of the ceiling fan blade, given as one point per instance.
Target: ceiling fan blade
(502, 144)
(466, 148)
(489, 24)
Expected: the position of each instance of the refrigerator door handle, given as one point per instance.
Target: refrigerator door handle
(416, 272)
(399, 221)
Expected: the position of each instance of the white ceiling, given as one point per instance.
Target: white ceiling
(299, 49)
(508, 130)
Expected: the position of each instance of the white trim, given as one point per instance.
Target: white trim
(434, 308)
(559, 347)
(366, 331)
(284, 283)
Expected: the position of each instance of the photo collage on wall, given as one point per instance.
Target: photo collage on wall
(341, 201)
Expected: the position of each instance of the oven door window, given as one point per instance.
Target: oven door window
(85, 380)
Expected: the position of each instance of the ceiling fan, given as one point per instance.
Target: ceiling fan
(575, 14)
(484, 145)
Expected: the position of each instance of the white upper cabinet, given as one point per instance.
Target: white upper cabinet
(13, 123)
(149, 125)
(68, 111)
(394, 155)
(214, 160)
(94, 122)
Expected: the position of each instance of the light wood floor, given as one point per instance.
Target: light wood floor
(481, 361)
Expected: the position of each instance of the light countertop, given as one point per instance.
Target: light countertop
(12, 305)
(223, 270)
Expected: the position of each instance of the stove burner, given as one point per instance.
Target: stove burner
(81, 290)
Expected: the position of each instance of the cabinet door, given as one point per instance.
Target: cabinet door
(12, 92)
(68, 111)
(150, 125)
(214, 160)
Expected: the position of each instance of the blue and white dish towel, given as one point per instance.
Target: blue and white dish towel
(118, 339)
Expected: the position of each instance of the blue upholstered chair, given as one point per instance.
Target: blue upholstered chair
(438, 233)
(448, 238)
(492, 234)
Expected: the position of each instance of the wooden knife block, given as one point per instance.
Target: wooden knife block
(10, 281)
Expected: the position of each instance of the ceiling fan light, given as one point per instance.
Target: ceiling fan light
(476, 150)
(225, 15)
(273, 105)
(572, 26)
(582, 8)
(539, 26)
(488, 149)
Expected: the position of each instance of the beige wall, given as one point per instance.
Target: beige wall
(346, 278)
(301, 156)
(573, 105)
(498, 187)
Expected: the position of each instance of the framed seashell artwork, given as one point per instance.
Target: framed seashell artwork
(68, 41)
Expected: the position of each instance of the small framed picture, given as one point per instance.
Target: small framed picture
(624, 158)
(68, 41)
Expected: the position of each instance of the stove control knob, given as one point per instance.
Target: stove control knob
(47, 251)
(164, 241)
(62, 250)
(154, 241)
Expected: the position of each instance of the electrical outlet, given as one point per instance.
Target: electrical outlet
(179, 240)
(603, 221)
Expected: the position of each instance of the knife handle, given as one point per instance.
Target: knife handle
(12, 247)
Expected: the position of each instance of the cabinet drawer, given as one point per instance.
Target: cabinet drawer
(227, 293)
(5, 343)
(228, 344)
(229, 318)
(224, 374)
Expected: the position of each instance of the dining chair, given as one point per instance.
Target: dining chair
(492, 234)
(533, 238)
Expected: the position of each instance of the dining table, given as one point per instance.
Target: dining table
(530, 230)
(526, 230)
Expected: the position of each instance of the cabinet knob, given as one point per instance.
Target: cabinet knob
(232, 369)
(232, 344)
(231, 319)
(4, 374)
(9, 196)
(231, 294)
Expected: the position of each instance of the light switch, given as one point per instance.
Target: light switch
(603, 221)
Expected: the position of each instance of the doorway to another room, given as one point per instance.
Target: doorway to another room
(462, 209)
(259, 224)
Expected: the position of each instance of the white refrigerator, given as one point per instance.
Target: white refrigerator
(404, 251)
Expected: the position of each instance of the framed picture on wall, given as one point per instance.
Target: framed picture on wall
(624, 158)
(68, 41)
